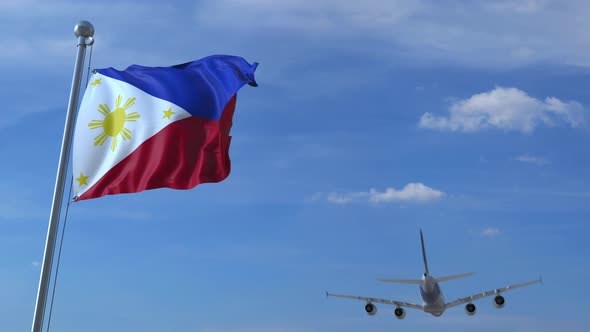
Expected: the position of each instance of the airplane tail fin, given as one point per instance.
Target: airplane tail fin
(412, 281)
(456, 276)
(424, 254)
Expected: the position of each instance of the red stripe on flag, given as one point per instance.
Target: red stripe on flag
(184, 154)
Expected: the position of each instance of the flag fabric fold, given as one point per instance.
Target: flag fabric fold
(152, 127)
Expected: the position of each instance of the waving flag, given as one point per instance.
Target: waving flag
(152, 127)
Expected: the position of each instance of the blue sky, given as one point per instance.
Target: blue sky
(373, 119)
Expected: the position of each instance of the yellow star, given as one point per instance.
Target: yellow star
(95, 82)
(82, 180)
(168, 113)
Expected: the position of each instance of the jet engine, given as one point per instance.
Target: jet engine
(399, 313)
(371, 309)
(470, 309)
(499, 301)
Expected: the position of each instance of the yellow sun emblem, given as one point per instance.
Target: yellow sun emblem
(113, 123)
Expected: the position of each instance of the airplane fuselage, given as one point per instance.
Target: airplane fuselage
(433, 299)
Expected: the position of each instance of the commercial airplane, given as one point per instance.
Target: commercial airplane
(432, 296)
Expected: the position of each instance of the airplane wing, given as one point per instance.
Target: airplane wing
(488, 293)
(371, 299)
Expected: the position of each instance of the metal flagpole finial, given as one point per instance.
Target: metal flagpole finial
(84, 29)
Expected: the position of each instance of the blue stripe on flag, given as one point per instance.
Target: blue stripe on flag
(202, 87)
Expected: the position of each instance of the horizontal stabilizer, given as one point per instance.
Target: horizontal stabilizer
(456, 276)
(402, 281)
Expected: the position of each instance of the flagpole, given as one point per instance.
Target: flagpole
(84, 31)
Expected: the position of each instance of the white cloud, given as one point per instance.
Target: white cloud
(527, 158)
(490, 232)
(509, 109)
(56, 44)
(412, 192)
(66, 8)
(35, 264)
(310, 16)
(517, 6)
(465, 32)
(347, 198)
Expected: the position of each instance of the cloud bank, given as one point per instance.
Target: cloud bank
(411, 192)
(419, 31)
(463, 32)
(530, 159)
(490, 232)
(508, 109)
